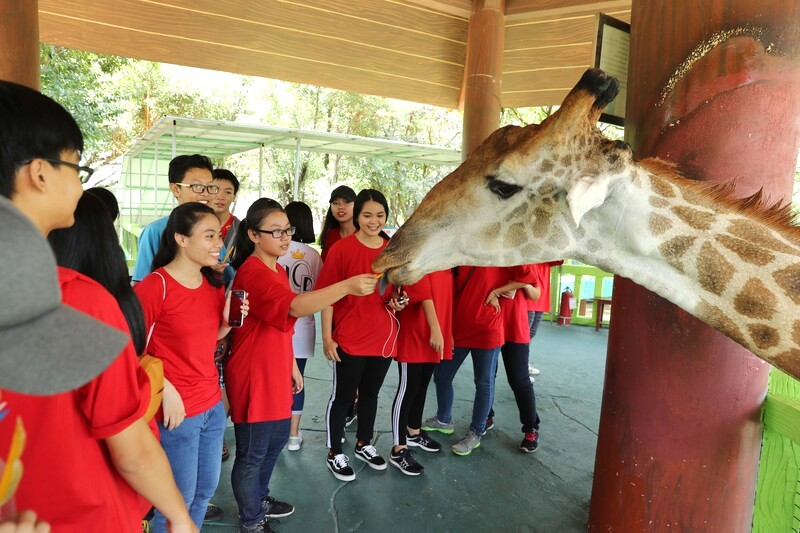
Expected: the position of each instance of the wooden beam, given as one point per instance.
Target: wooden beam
(19, 42)
(557, 9)
(457, 8)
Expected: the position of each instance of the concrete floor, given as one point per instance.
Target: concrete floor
(496, 488)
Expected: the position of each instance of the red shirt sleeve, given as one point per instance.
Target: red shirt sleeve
(523, 274)
(420, 290)
(331, 269)
(112, 401)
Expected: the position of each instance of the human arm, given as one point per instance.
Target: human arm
(533, 293)
(494, 295)
(141, 462)
(437, 339)
(329, 345)
(172, 406)
(310, 302)
(297, 377)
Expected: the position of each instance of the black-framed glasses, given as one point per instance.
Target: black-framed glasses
(84, 173)
(277, 233)
(198, 189)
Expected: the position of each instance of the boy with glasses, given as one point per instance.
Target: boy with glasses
(190, 180)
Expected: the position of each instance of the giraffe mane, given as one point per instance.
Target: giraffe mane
(777, 215)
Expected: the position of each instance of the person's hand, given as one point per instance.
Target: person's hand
(400, 302)
(509, 294)
(184, 526)
(226, 313)
(493, 300)
(297, 380)
(437, 342)
(172, 406)
(329, 347)
(362, 285)
(24, 522)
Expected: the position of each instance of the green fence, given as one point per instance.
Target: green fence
(588, 284)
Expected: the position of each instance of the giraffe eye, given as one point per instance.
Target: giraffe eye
(503, 190)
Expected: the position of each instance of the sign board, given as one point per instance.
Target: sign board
(612, 43)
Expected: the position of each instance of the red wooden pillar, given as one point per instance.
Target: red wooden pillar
(483, 76)
(714, 87)
(19, 42)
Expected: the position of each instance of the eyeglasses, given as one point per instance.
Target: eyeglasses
(277, 233)
(84, 173)
(199, 189)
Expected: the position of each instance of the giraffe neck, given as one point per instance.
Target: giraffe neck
(731, 270)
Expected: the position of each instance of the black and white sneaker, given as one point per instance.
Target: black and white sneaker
(424, 441)
(368, 454)
(531, 442)
(275, 509)
(340, 467)
(405, 461)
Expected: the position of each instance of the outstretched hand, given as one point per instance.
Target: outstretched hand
(361, 285)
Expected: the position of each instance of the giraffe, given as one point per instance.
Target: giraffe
(561, 189)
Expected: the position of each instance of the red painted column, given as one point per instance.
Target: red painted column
(19, 42)
(483, 76)
(714, 86)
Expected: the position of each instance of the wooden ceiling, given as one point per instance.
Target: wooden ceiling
(406, 49)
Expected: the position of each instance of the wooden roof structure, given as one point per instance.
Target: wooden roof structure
(411, 50)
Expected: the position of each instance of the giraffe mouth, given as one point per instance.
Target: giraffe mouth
(398, 275)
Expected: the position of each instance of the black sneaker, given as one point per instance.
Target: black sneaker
(404, 460)
(275, 509)
(424, 441)
(368, 454)
(340, 467)
(530, 443)
(489, 423)
(213, 513)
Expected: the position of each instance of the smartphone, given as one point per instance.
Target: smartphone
(235, 318)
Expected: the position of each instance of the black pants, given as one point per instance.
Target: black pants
(515, 360)
(353, 373)
(409, 402)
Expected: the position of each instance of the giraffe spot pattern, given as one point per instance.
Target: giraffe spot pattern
(698, 198)
(566, 160)
(546, 166)
(547, 188)
(674, 249)
(659, 224)
(593, 245)
(746, 251)
(660, 203)
(713, 271)
(560, 172)
(717, 319)
(559, 238)
(541, 223)
(755, 300)
(789, 362)
(796, 332)
(764, 336)
(515, 235)
(694, 218)
(662, 187)
(789, 280)
(753, 232)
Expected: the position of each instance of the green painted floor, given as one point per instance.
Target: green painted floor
(496, 488)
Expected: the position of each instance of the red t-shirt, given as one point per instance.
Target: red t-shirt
(515, 317)
(332, 237)
(362, 325)
(226, 227)
(414, 341)
(476, 324)
(543, 273)
(184, 336)
(258, 375)
(69, 479)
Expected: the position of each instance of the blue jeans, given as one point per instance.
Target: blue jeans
(258, 445)
(484, 364)
(193, 452)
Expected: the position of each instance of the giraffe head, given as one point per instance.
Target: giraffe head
(517, 198)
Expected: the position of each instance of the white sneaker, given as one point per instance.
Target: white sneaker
(533, 371)
(294, 442)
(531, 378)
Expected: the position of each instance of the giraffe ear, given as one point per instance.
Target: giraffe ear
(585, 194)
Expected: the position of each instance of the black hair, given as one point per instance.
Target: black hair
(31, 126)
(108, 199)
(301, 218)
(182, 221)
(226, 175)
(261, 209)
(182, 164)
(370, 195)
(91, 247)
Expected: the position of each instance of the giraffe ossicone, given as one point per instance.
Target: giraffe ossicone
(561, 189)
